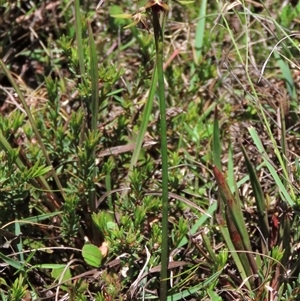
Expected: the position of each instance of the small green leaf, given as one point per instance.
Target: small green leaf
(57, 274)
(104, 221)
(92, 255)
(117, 16)
(186, 2)
(3, 282)
(52, 266)
(122, 16)
(213, 295)
(288, 14)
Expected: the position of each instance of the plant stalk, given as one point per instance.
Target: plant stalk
(158, 35)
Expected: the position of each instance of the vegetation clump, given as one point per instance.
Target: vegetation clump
(149, 150)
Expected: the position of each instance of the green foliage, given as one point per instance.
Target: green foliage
(82, 172)
(116, 22)
(70, 217)
(288, 14)
(62, 274)
(92, 255)
(105, 222)
(17, 291)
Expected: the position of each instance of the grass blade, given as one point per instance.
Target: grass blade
(284, 67)
(217, 149)
(78, 29)
(236, 224)
(259, 197)
(200, 31)
(199, 40)
(226, 235)
(144, 124)
(94, 104)
(199, 223)
(282, 190)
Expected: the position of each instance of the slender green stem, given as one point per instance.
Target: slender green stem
(94, 107)
(79, 37)
(158, 34)
(80, 51)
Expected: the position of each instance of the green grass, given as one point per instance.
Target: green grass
(123, 177)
